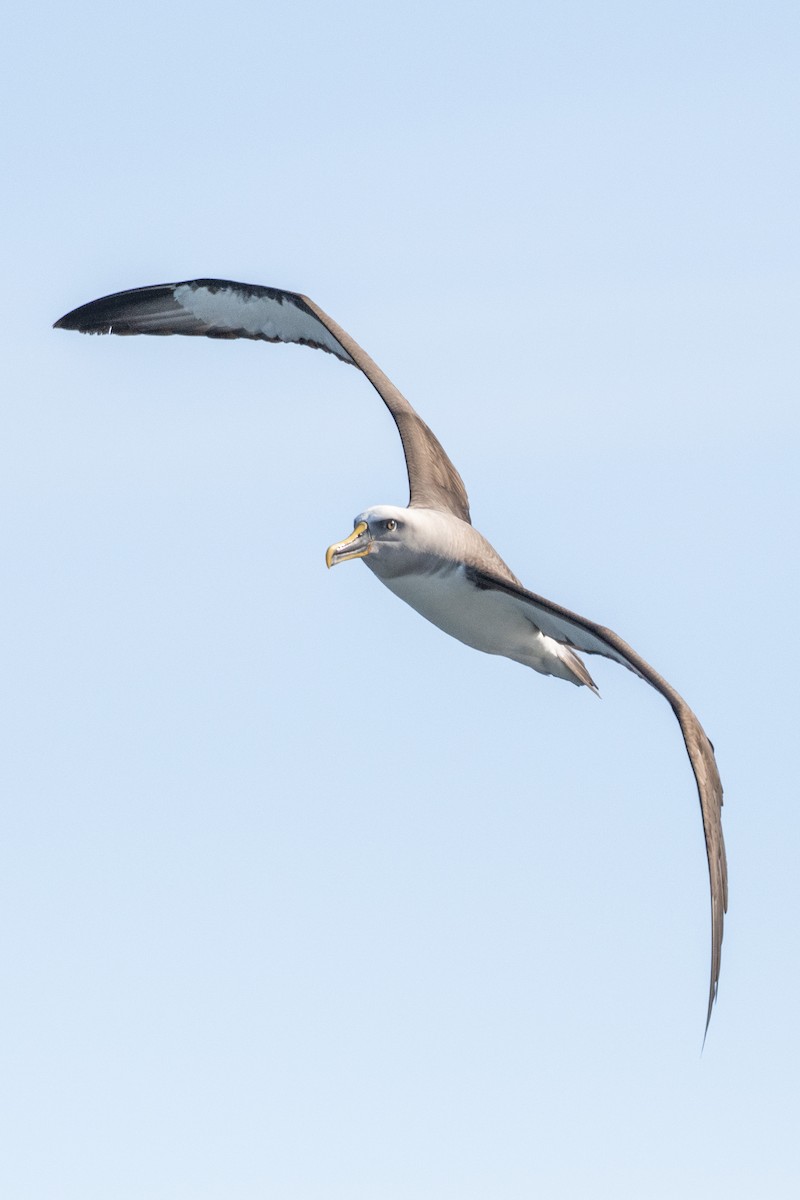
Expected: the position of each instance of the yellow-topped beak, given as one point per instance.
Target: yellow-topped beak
(358, 545)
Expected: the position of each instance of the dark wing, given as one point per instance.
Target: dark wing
(220, 308)
(574, 631)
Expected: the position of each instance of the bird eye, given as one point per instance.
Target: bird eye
(391, 524)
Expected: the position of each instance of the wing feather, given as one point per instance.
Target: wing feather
(222, 308)
(581, 634)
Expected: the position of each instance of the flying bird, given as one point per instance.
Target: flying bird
(428, 553)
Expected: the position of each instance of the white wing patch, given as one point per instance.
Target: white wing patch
(277, 319)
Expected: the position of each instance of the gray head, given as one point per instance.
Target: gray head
(394, 540)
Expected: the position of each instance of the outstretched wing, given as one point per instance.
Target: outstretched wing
(220, 308)
(574, 631)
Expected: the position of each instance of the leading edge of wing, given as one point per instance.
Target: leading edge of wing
(223, 308)
(581, 634)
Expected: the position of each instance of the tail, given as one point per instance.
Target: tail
(576, 667)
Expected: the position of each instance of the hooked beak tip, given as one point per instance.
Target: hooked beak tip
(354, 546)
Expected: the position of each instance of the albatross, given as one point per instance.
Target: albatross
(428, 553)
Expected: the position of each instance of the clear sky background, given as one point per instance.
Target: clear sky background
(298, 897)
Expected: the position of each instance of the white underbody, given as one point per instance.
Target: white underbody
(487, 620)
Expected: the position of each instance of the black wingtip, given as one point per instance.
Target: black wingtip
(114, 313)
(98, 316)
(712, 999)
(80, 319)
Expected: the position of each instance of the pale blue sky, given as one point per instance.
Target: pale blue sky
(301, 899)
